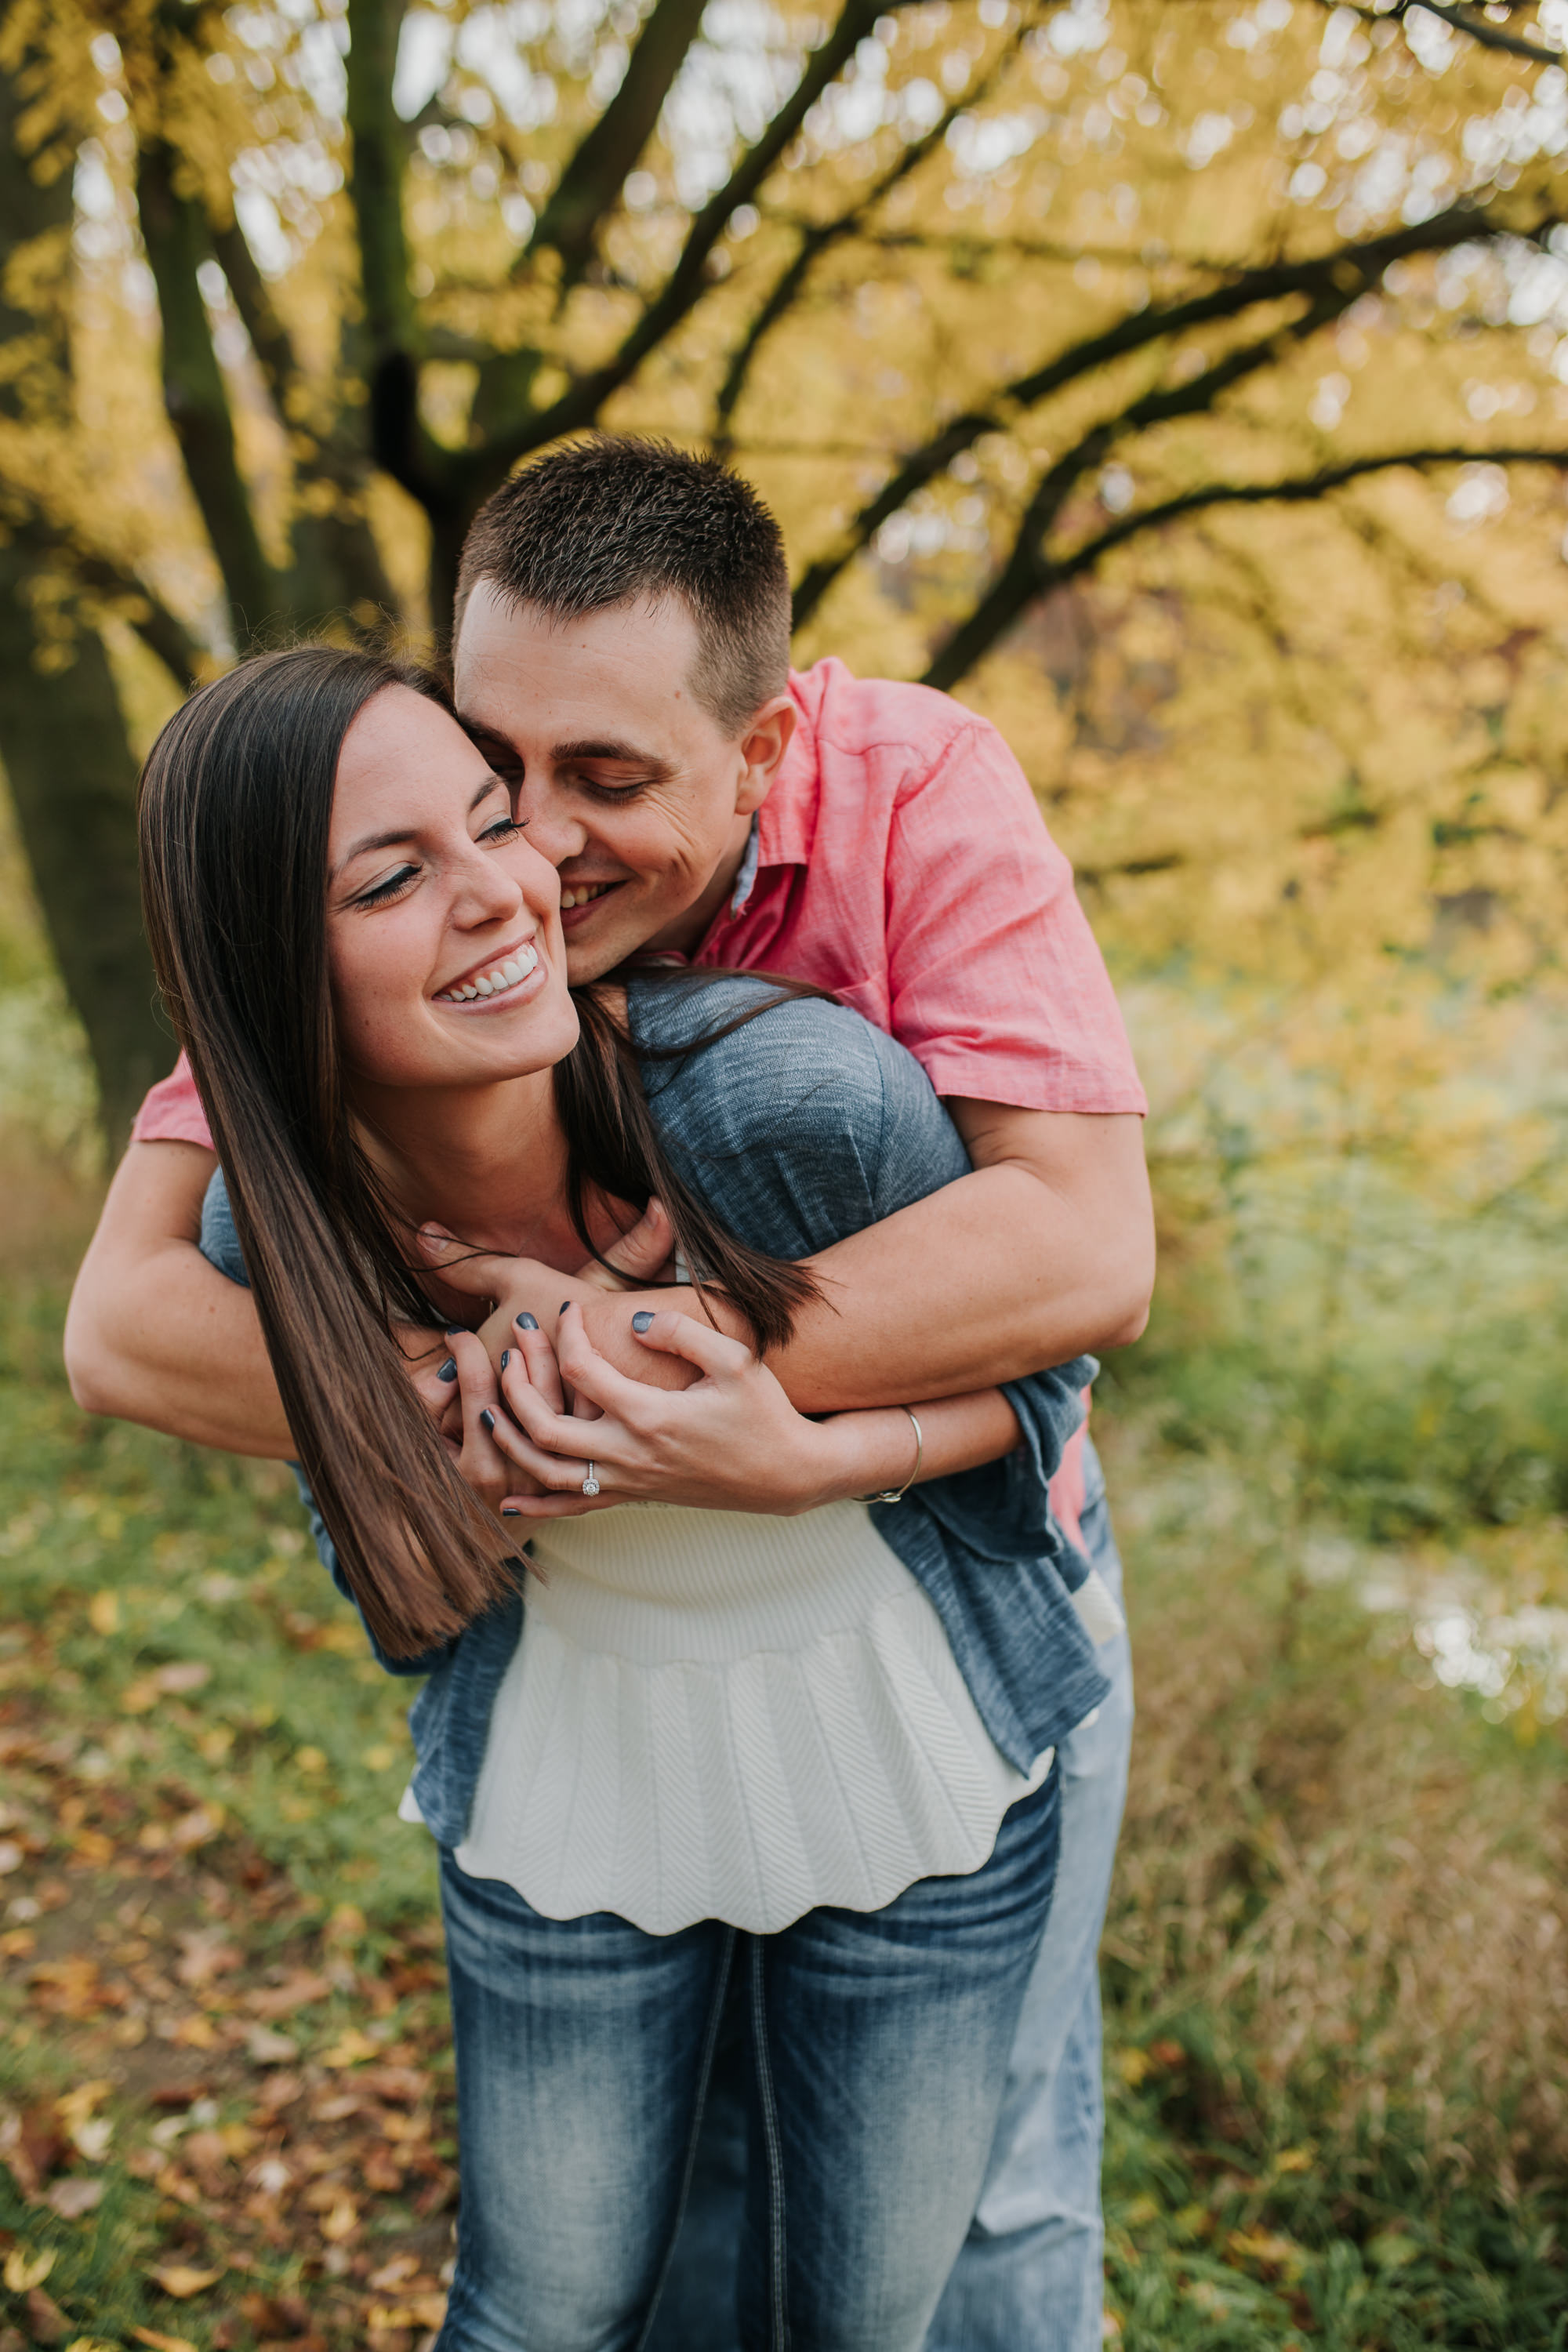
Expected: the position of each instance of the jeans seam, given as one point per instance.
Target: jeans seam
(768, 2109)
(704, 2075)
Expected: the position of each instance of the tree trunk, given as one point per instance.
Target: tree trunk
(62, 736)
(73, 780)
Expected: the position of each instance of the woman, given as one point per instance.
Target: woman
(803, 1740)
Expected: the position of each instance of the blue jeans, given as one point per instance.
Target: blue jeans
(877, 2046)
(1030, 2274)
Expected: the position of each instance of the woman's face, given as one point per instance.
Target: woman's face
(443, 926)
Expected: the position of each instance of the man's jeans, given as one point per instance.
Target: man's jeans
(1030, 2276)
(878, 2058)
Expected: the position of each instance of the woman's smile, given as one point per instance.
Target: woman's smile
(502, 978)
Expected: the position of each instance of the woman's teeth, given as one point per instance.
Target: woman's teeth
(491, 984)
(579, 894)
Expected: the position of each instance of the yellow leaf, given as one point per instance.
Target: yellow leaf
(351, 2049)
(75, 2106)
(103, 1613)
(342, 2221)
(163, 2342)
(1293, 2160)
(1132, 2065)
(181, 2281)
(24, 2270)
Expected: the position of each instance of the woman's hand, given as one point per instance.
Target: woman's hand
(730, 1442)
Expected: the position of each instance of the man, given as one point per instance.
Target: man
(622, 653)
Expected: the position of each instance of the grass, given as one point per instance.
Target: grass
(1336, 1967)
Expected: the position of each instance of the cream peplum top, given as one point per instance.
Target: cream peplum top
(713, 1715)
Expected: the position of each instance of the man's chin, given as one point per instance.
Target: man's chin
(594, 948)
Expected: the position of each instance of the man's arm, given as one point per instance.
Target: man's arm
(1045, 1253)
(154, 1333)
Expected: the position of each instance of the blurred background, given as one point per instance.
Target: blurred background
(1184, 385)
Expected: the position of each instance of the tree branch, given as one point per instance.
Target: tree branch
(1293, 491)
(817, 237)
(102, 577)
(174, 233)
(1358, 265)
(1028, 572)
(686, 282)
(954, 662)
(389, 337)
(268, 336)
(590, 186)
(1488, 37)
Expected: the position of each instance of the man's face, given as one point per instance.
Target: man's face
(626, 783)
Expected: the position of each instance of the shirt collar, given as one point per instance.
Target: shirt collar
(786, 821)
(748, 873)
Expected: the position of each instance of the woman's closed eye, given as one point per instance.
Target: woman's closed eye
(391, 885)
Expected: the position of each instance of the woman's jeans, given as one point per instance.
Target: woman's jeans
(878, 2045)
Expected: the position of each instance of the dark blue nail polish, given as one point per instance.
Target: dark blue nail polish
(488, 1424)
(642, 1318)
(565, 1305)
(510, 1511)
(448, 1370)
(505, 1358)
(453, 1329)
(525, 1322)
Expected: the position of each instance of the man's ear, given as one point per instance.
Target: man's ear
(762, 747)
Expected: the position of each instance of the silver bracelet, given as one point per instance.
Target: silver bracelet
(896, 1495)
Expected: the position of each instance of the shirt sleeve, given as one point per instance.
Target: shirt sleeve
(172, 1111)
(996, 982)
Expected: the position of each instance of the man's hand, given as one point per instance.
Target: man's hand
(512, 1287)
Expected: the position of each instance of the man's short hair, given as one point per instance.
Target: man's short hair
(610, 520)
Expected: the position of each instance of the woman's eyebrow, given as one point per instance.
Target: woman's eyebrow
(395, 833)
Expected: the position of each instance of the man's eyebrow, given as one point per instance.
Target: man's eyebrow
(624, 755)
(395, 833)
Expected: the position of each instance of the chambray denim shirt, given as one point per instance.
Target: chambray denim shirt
(800, 1128)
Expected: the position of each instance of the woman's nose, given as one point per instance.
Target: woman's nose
(487, 891)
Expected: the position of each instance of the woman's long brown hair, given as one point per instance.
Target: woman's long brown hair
(236, 807)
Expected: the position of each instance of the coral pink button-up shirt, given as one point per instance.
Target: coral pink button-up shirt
(900, 860)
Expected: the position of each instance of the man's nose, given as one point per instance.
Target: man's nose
(553, 829)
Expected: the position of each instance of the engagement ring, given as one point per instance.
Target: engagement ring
(590, 1484)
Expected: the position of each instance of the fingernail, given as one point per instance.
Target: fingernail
(510, 1511)
(565, 1305)
(488, 1424)
(525, 1322)
(453, 1329)
(505, 1358)
(642, 1318)
(448, 1372)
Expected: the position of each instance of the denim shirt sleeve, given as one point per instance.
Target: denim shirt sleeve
(220, 1247)
(809, 1125)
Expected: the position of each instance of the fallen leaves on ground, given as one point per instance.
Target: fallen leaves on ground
(296, 2185)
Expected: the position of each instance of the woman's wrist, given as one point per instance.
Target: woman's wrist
(868, 1452)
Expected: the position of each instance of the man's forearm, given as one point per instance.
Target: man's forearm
(991, 1279)
(192, 1363)
(156, 1334)
(978, 1283)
